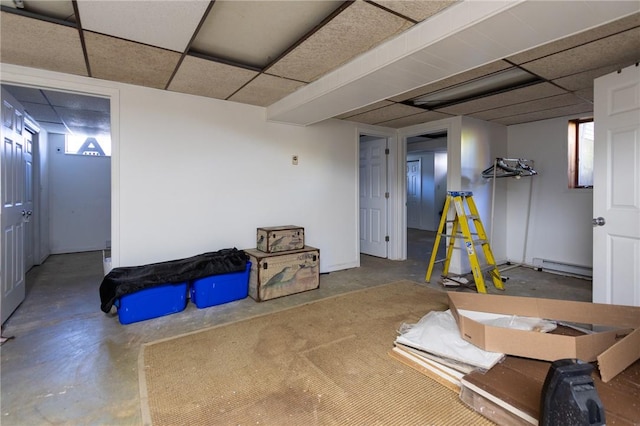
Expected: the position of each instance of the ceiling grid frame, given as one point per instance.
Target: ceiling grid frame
(397, 75)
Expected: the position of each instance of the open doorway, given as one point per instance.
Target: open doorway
(74, 167)
(67, 184)
(426, 190)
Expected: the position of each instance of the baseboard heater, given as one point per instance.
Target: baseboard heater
(562, 268)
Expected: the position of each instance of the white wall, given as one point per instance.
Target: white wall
(193, 174)
(481, 142)
(560, 224)
(471, 147)
(199, 174)
(41, 199)
(79, 200)
(433, 188)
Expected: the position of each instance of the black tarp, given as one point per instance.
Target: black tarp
(126, 280)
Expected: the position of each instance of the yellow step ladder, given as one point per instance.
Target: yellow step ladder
(462, 229)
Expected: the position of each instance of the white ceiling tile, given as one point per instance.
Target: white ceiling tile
(453, 80)
(585, 79)
(511, 97)
(255, 33)
(203, 77)
(410, 120)
(121, 60)
(76, 101)
(265, 90)
(418, 10)
(40, 44)
(140, 20)
(543, 104)
(54, 127)
(26, 94)
(60, 9)
(41, 112)
(73, 118)
(622, 47)
(577, 39)
(355, 30)
(580, 110)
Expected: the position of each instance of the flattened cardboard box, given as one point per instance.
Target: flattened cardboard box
(281, 274)
(276, 239)
(614, 349)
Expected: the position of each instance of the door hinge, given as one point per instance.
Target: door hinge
(386, 238)
(386, 195)
(386, 151)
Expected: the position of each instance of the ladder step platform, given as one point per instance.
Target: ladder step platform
(465, 209)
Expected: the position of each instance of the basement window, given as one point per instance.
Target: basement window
(95, 146)
(581, 139)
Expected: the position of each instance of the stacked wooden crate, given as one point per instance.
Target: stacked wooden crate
(281, 264)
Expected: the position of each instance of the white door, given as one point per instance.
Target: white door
(616, 193)
(373, 197)
(14, 214)
(414, 193)
(28, 200)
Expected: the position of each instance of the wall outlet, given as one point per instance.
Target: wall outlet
(294, 160)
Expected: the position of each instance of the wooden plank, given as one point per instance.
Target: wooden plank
(428, 370)
(516, 386)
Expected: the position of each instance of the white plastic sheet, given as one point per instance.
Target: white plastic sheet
(438, 333)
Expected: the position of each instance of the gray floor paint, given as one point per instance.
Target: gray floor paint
(69, 363)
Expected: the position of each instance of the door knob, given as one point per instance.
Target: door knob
(23, 212)
(598, 221)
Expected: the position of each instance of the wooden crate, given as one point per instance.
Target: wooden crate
(275, 239)
(281, 274)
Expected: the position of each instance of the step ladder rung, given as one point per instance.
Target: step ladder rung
(465, 209)
(461, 235)
(487, 268)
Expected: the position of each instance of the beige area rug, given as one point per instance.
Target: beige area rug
(324, 363)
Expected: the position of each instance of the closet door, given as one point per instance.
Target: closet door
(15, 165)
(616, 188)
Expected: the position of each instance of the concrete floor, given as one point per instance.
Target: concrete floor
(72, 364)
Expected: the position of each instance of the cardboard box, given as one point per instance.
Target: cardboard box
(614, 349)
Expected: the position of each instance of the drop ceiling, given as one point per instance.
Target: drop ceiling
(306, 61)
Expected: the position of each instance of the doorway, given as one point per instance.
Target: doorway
(426, 190)
(67, 198)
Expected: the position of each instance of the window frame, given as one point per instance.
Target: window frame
(574, 152)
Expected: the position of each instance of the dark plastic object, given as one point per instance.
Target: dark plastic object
(127, 280)
(569, 397)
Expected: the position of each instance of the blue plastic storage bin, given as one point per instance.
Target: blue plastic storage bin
(152, 303)
(219, 289)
